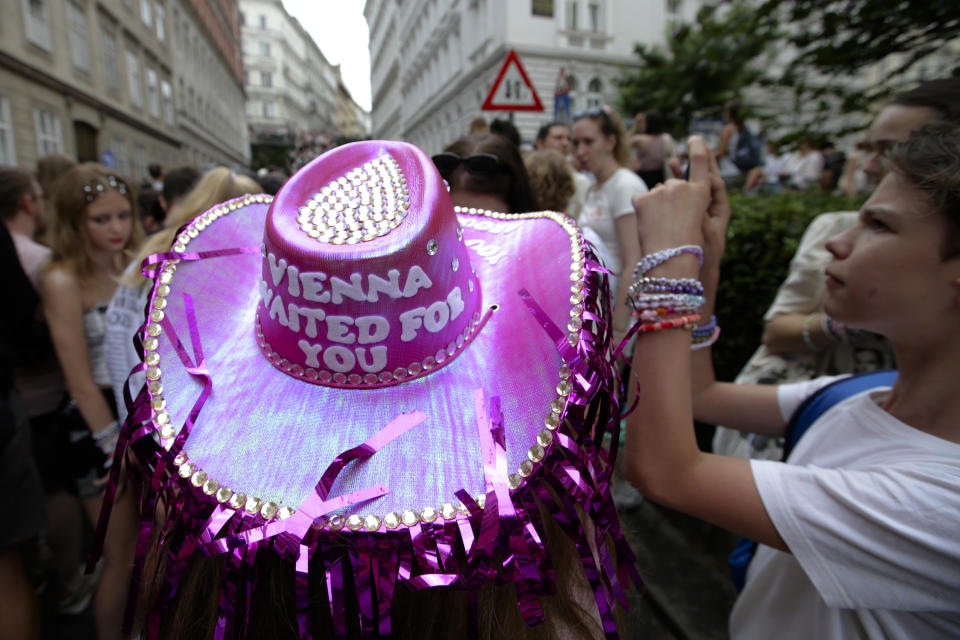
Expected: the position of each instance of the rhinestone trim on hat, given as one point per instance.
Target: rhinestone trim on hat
(367, 203)
(197, 479)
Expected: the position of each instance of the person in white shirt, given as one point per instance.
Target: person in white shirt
(600, 147)
(804, 166)
(857, 530)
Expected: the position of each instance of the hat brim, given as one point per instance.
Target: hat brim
(269, 436)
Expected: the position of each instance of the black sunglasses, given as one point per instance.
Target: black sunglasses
(481, 164)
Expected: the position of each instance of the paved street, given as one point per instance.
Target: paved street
(687, 592)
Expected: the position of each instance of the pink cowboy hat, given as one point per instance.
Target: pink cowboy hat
(354, 361)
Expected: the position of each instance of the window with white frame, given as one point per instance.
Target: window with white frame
(266, 79)
(8, 150)
(166, 93)
(36, 17)
(542, 8)
(111, 66)
(265, 49)
(573, 9)
(139, 161)
(574, 86)
(146, 12)
(120, 153)
(263, 21)
(153, 93)
(49, 133)
(133, 79)
(269, 110)
(674, 6)
(594, 93)
(595, 15)
(161, 18)
(77, 34)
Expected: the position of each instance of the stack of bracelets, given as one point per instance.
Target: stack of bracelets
(669, 303)
(835, 331)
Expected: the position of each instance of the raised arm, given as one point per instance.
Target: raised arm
(661, 456)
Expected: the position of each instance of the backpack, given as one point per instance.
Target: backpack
(749, 152)
(805, 415)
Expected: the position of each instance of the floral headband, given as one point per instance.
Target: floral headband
(94, 191)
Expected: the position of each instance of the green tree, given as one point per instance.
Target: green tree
(703, 64)
(835, 41)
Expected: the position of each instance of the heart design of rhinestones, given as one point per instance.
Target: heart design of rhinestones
(367, 203)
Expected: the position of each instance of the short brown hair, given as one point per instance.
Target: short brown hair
(14, 184)
(930, 159)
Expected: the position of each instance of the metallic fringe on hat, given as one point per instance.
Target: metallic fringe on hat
(456, 553)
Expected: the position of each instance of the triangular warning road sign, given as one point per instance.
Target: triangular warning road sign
(512, 90)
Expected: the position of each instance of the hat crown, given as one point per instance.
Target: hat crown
(366, 280)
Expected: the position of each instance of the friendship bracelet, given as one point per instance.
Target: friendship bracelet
(688, 322)
(654, 259)
(651, 315)
(696, 345)
(805, 333)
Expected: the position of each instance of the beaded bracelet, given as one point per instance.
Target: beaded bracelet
(805, 333)
(703, 343)
(666, 285)
(653, 301)
(652, 260)
(834, 330)
(706, 330)
(688, 322)
(650, 315)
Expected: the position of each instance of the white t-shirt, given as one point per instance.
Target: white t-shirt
(870, 509)
(604, 204)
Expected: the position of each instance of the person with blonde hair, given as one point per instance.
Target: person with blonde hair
(93, 237)
(126, 309)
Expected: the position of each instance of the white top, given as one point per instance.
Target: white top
(605, 203)
(870, 508)
(581, 184)
(805, 170)
(124, 316)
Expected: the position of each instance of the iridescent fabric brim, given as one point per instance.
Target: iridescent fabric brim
(241, 446)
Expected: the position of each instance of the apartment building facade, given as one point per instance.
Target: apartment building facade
(291, 87)
(434, 61)
(101, 81)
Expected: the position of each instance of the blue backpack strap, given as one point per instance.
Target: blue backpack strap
(806, 414)
(824, 399)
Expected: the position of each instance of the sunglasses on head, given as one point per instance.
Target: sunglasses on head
(481, 164)
(602, 111)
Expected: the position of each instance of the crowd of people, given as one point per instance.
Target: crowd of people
(854, 523)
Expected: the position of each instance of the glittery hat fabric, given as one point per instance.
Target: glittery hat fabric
(354, 368)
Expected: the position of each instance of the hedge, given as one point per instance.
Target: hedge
(764, 233)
